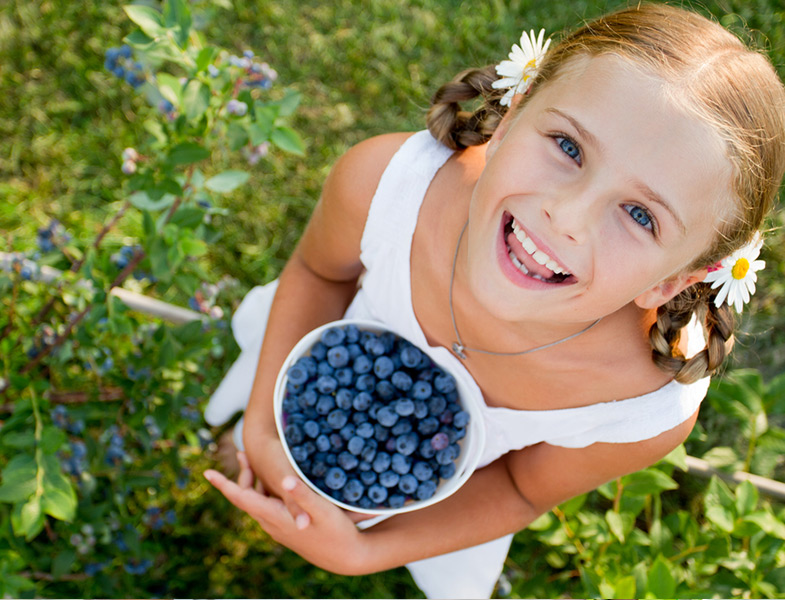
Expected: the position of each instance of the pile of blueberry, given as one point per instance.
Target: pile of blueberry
(371, 420)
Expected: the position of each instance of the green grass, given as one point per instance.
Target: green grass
(364, 68)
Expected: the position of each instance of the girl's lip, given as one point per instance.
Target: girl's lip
(512, 272)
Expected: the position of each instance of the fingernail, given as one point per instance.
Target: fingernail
(208, 475)
(289, 483)
(302, 521)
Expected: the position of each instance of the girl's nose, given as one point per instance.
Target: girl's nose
(569, 215)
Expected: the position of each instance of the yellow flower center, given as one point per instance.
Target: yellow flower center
(739, 270)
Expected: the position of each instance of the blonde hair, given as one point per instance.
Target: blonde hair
(715, 76)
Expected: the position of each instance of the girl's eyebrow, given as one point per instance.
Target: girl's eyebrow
(644, 189)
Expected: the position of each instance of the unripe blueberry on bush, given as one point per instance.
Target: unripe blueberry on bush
(236, 107)
(129, 167)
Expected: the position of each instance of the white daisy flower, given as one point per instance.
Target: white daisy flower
(737, 274)
(522, 66)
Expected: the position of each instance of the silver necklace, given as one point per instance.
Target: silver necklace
(460, 350)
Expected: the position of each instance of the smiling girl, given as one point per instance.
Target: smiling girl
(559, 245)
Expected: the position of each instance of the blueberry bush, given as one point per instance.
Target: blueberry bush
(101, 405)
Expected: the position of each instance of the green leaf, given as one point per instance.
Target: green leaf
(170, 88)
(237, 135)
(746, 498)
(205, 57)
(677, 457)
(662, 583)
(19, 439)
(190, 246)
(775, 395)
(19, 479)
(648, 481)
(187, 153)
(722, 457)
(616, 524)
(288, 140)
(226, 181)
(52, 438)
(573, 505)
(288, 104)
(148, 224)
(138, 39)
(625, 587)
(719, 494)
(63, 562)
(27, 519)
(177, 16)
(149, 20)
(142, 201)
(767, 522)
(259, 133)
(196, 98)
(721, 517)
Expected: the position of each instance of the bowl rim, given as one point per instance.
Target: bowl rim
(472, 444)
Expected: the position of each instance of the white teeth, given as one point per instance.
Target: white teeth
(541, 257)
(531, 248)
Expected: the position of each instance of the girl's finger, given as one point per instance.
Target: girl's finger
(309, 502)
(260, 507)
(246, 477)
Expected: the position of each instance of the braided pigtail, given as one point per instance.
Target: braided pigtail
(457, 128)
(673, 316)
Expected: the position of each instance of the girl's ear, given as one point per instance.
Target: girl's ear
(503, 126)
(664, 291)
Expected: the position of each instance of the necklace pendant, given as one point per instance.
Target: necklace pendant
(459, 350)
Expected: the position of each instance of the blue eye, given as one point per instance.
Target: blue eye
(570, 148)
(640, 215)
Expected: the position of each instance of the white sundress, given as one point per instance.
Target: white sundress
(385, 296)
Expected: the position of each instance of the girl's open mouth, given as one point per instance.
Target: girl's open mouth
(528, 259)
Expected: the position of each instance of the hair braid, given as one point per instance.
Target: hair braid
(673, 316)
(457, 128)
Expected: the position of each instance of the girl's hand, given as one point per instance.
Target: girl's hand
(323, 534)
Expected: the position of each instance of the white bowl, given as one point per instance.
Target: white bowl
(471, 444)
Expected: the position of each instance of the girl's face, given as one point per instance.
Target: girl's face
(599, 193)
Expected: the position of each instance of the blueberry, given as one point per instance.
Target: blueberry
(365, 430)
(318, 469)
(383, 367)
(380, 433)
(444, 457)
(368, 453)
(447, 471)
(299, 454)
(365, 383)
(352, 334)
(297, 374)
(425, 490)
(387, 416)
(347, 461)
(322, 443)
(404, 407)
(325, 404)
(440, 441)
(381, 462)
(385, 390)
(335, 478)
(337, 418)
(389, 479)
(362, 364)
(428, 426)
(354, 351)
(396, 500)
(444, 383)
(426, 451)
(422, 471)
(344, 376)
(338, 357)
(406, 444)
(324, 368)
(362, 401)
(400, 463)
(344, 399)
(355, 445)
(377, 493)
(308, 398)
(368, 478)
(374, 347)
(333, 336)
(401, 427)
(319, 351)
(401, 380)
(326, 384)
(420, 409)
(421, 390)
(311, 429)
(410, 356)
(446, 417)
(353, 490)
(336, 441)
(437, 405)
(293, 434)
(460, 419)
(359, 418)
(408, 483)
